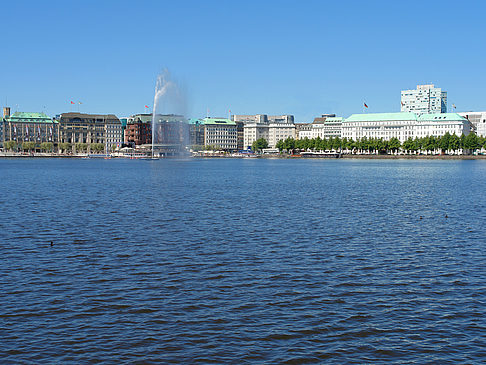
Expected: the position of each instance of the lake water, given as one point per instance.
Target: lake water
(242, 261)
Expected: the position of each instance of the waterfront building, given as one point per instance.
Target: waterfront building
(221, 133)
(91, 128)
(403, 125)
(303, 130)
(196, 132)
(426, 99)
(272, 128)
(139, 129)
(325, 127)
(477, 120)
(30, 127)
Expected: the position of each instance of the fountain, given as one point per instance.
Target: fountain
(170, 129)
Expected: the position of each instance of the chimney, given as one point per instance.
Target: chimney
(6, 112)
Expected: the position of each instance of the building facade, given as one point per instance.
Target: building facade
(90, 128)
(426, 99)
(272, 128)
(477, 120)
(138, 129)
(403, 125)
(221, 133)
(30, 127)
(324, 127)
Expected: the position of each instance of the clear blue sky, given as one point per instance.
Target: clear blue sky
(271, 57)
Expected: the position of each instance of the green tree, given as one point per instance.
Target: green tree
(259, 144)
(97, 147)
(394, 144)
(47, 146)
(11, 145)
(65, 146)
(471, 142)
(444, 142)
(454, 143)
(81, 147)
(28, 146)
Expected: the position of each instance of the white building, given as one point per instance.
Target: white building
(478, 121)
(324, 128)
(220, 132)
(425, 99)
(272, 133)
(403, 125)
(272, 128)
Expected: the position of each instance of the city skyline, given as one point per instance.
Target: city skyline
(271, 58)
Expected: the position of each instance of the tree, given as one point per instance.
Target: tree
(259, 144)
(471, 142)
(394, 144)
(454, 143)
(28, 146)
(11, 145)
(444, 142)
(81, 147)
(65, 146)
(97, 147)
(47, 146)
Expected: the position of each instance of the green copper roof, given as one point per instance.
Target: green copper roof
(195, 121)
(381, 117)
(451, 117)
(218, 121)
(21, 117)
(405, 116)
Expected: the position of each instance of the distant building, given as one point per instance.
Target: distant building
(30, 127)
(303, 130)
(139, 129)
(477, 120)
(403, 125)
(196, 132)
(221, 133)
(90, 128)
(272, 128)
(327, 126)
(425, 99)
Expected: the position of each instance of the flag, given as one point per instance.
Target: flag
(27, 130)
(402, 103)
(72, 102)
(50, 130)
(80, 103)
(366, 106)
(454, 106)
(15, 129)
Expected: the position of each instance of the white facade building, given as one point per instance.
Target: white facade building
(220, 132)
(272, 133)
(114, 134)
(272, 128)
(324, 129)
(478, 121)
(425, 99)
(403, 125)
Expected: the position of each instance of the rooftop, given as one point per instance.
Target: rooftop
(23, 117)
(404, 116)
(218, 121)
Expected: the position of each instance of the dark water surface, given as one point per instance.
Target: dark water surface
(242, 261)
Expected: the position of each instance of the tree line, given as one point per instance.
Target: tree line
(445, 143)
(49, 146)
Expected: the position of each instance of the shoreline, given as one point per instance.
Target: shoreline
(282, 157)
